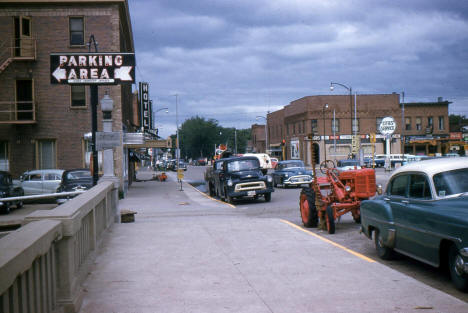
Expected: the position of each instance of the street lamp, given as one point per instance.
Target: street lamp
(266, 130)
(323, 119)
(350, 89)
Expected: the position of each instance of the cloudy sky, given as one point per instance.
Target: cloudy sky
(235, 60)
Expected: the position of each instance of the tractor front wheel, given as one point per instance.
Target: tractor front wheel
(307, 207)
(330, 220)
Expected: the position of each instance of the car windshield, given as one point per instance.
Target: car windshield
(242, 165)
(78, 175)
(292, 164)
(451, 182)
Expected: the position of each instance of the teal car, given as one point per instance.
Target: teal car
(423, 214)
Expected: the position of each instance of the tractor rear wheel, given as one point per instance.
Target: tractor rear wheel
(330, 220)
(307, 207)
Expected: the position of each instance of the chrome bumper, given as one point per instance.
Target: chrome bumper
(298, 180)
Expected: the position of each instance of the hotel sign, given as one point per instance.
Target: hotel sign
(107, 68)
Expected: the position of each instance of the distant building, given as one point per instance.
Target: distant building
(44, 125)
(324, 126)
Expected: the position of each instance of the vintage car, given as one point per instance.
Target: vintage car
(37, 182)
(241, 177)
(346, 165)
(291, 173)
(75, 180)
(424, 214)
(8, 189)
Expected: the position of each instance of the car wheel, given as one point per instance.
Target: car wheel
(330, 220)
(19, 204)
(385, 253)
(307, 207)
(6, 208)
(211, 188)
(229, 199)
(456, 266)
(357, 219)
(268, 197)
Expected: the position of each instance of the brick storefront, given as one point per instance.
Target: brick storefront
(53, 118)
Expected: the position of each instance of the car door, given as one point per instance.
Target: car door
(32, 184)
(51, 182)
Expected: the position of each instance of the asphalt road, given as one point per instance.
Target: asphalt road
(285, 205)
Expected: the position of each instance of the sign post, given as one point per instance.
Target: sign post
(387, 128)
(93, 69)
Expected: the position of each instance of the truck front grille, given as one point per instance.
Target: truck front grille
(250, 186)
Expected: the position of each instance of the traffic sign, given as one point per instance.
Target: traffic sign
(180, 174)
(387, 126)
(107, 68)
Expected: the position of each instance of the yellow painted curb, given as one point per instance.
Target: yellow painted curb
(232, 206)
(359, 255)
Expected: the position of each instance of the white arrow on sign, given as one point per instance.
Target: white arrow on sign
(123, 73)
(59, 73)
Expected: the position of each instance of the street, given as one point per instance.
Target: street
(285, 205)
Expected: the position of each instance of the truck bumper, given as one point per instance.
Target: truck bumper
(250, 193)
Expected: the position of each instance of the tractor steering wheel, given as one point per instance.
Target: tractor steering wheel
(326, 165)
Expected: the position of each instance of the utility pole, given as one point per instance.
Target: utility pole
(94, 103)
(403, 124)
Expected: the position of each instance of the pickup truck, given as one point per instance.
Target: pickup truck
(238, 177)
(8, 189)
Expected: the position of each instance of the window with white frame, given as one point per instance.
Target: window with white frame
(4, 163)
(441, 123)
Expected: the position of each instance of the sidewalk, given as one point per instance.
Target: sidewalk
(188, 253)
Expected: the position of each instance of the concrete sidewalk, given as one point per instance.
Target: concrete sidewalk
(188, 253)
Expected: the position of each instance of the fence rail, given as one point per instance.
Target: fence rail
(17, 111)
(44, 263)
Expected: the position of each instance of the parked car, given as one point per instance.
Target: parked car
(201, 162)
(182, 165)
(424, 215)
(274, 162)
(74, 180)
(291, 173)
(39, 182)
(243, 177)
(8, 189)
(349, 164)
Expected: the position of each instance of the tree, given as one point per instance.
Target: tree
(457, 121)
(199, 137)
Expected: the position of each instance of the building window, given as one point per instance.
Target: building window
(335, 125)
(355, 125)
(430, 121)
(418, 123)
(294, 128)
(4, 164)
(378, 120)
(46, 154)
(303, 127)
(78, 96)
(313, 126)
(441, 123)
(76, 31)
(407, 123)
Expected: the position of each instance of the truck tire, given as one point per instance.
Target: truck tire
(211, 188)
(307, 208)
(228, 198)
(385, 253)
(6, 208)
(268, 197)
(330, 220)
(459, 277)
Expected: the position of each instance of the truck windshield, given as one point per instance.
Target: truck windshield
(242, 165)
(451, 182)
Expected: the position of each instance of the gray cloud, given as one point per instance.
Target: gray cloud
(233, 60)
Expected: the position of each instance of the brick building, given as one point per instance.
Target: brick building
(44, 125)
(324, 123)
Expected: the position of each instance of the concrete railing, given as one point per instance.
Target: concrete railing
(44, 263)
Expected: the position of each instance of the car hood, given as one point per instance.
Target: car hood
(253, 174)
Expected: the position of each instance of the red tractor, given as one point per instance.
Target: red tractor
(335, 194)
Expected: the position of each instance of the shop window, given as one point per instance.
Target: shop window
(418, 123)
(46, 154)
(76, 31)
(441, 123)
(4, 163)
(78, 96)
(407, 123)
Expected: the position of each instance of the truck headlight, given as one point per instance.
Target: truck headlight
(347, 188)
(269, 178)
(229, 182)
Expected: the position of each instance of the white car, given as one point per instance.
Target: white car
(38, 182)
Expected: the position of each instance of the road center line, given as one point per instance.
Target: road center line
(330, 242)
